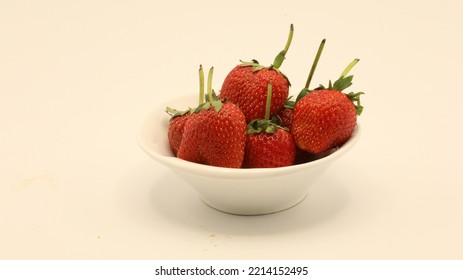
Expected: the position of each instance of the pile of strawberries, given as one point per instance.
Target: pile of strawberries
(253, 124)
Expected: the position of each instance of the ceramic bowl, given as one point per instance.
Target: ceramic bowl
(236, 191)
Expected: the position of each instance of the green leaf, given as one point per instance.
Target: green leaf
(289, 104)
(217, 105)
(253, 127)
(320, 86)
(279, 59)
(302, 94)
(359, 109)
(342, 83)
(271, 128)
(257, 67)
(203, 106)
(355, 98)
(261, 125)
(254, 64)
(175, 112)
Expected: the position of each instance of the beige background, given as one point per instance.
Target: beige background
(78, 77)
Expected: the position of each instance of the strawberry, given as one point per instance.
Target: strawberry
(326, 117)
(267, 144)
(285, 115)
(246, 85)
(176, 127)
(265, 150)
(179, 118)
(214, 133)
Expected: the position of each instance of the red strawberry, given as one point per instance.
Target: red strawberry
(179, 118)
(326, 117)
(265, 150)
(267, 144)
(246, 85)
(175, 131)
(285, 115)
(215, 137)
(214, 134)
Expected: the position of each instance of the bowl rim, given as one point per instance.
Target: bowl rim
(236, 173)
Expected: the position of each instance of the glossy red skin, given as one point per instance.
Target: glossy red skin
(216, 139)
(264, 150)
(175, 132)
(248, 90)
(323, 119)
(285, 115)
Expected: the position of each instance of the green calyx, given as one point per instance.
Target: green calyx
(355, 98)
(205, 101)
(176, 113)
(343, 82)
(289, 104)
(264, 125)
(261, 125)
(254, 64)
(212, 100)
(278, 61)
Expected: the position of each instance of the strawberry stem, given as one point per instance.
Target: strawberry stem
(315, 62)
(264, 125)
(209, 83)
(281, 56)
(268, 101)
(349, 67)
(306, 89)
(201, 85)
(344, 82)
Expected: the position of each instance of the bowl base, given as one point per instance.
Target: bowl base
(254, 212)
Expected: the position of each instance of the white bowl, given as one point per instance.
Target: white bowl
(254, 191)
